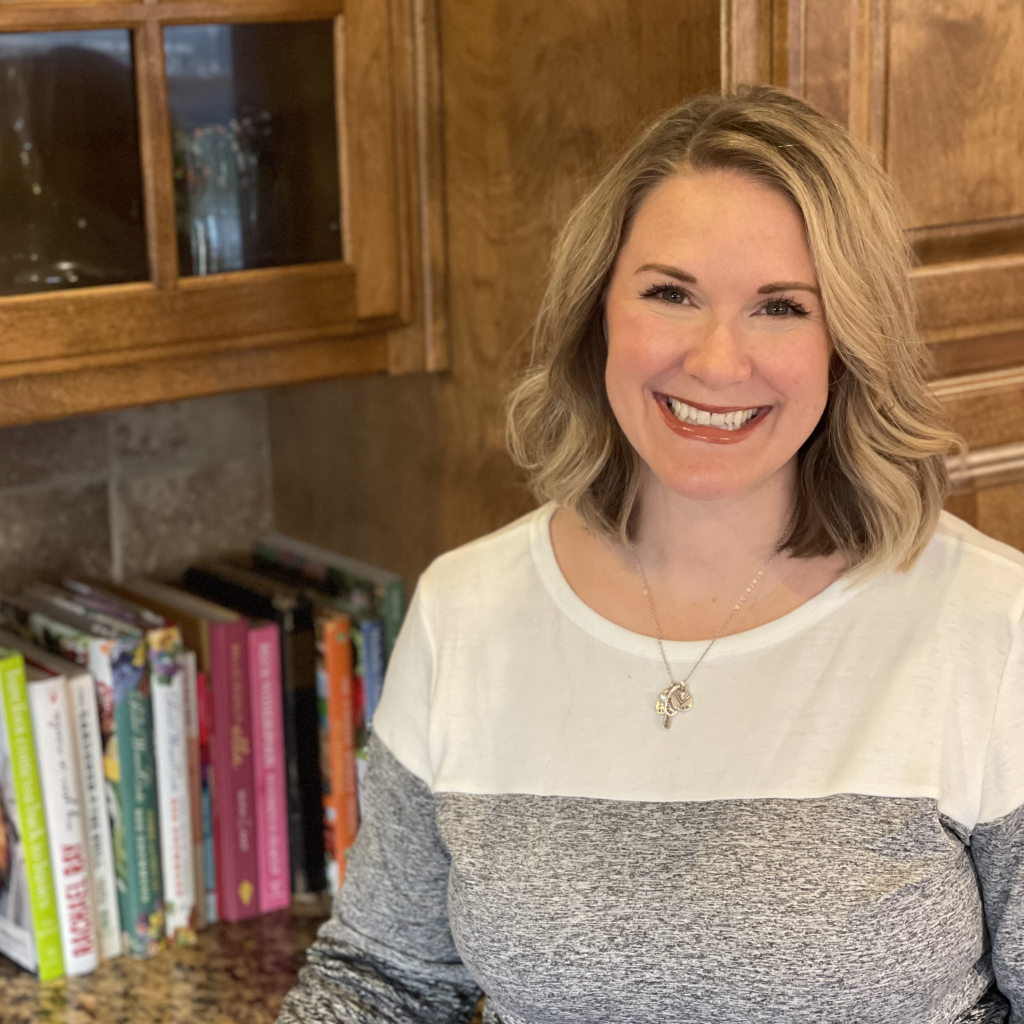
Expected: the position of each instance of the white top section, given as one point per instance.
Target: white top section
(907, 685)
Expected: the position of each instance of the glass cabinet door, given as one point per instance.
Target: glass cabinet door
(71, 201)
(200, 195)
(255, 145)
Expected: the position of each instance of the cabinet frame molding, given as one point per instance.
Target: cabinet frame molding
(382, 307)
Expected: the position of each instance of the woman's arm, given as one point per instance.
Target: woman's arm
(997, 848)
(386, 954)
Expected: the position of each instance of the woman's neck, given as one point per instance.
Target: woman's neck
(684, 538)
(698, 559)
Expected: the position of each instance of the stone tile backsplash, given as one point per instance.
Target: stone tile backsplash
(139, 491)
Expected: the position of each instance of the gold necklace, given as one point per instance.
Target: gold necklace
(676, 696)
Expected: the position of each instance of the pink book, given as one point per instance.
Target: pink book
(233, 789)
(269, 766)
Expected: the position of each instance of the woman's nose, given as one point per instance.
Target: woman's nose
(718, 358)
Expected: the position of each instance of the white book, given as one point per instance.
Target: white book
(62, 806)
(88, 744)
(168, 705)
(170, 743)
(82, 697)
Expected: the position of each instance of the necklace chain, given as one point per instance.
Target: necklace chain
(676, 697)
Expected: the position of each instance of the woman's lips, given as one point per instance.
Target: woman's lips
(703, 432)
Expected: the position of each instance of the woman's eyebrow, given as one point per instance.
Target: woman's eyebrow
(766, 289)
(787, 286)
(662, 268)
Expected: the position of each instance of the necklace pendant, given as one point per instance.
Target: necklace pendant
(672, 700)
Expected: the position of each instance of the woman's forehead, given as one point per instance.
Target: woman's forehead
(716, 217)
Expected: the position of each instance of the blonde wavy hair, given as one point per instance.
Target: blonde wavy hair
(872, 475)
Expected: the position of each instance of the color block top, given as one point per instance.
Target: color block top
(834, 833)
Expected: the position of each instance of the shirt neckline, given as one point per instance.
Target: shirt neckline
(581, 614)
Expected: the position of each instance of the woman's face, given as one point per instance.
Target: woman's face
(718, 352)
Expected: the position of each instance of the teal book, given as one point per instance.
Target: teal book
(29, 923)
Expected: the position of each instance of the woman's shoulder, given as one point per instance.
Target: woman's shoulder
(503, 557)
(976, 581)
(973, 554)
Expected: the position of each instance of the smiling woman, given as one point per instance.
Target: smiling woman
(743, 474)
(722, 352)
(759, 184)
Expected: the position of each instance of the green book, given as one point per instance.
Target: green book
(29, 928)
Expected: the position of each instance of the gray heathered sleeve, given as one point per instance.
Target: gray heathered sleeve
(386, 954)
(997, 848)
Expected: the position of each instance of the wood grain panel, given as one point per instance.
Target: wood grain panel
(370, 179)
(956, 119)
(954, 243)
(998, 513)
(423, 344)
(84, 323)
(538, 97)
(977, 354)
(970, 298)
(985, 409)
(33, 16)
(746, 42)
(825, 57)
(433, 245)
(869, 68)
(987, 467)
(157, 160)
(57, 395)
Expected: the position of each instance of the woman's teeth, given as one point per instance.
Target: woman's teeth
(701, 417)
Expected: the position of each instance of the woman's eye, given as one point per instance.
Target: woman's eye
(783, 307)
(667, 293)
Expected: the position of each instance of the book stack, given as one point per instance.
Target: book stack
(174, 754)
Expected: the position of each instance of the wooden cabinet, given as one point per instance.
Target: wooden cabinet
(208, 195)
(934, 89)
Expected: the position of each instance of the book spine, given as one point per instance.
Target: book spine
(269, 762)
(122, 682)
(204, 698)
(58, 779)
(393, 612)
(300, 651)
(195, 782)
(296, 830)
(167, 690)
(233, 800)
(373, 665)
(25, 805)
(89, 751)
(341, 806)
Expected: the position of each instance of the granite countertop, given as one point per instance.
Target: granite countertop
(236, 974)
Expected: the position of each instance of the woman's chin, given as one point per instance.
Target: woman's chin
(704, 485)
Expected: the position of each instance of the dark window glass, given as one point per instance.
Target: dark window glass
(71, 210)
(255, 144)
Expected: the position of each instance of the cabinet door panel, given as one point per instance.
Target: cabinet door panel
(934, 89)
(306, 214)
(955, 137)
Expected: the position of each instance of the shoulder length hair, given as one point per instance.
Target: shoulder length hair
(872, 475)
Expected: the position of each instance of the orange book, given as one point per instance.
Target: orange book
(337, 751)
